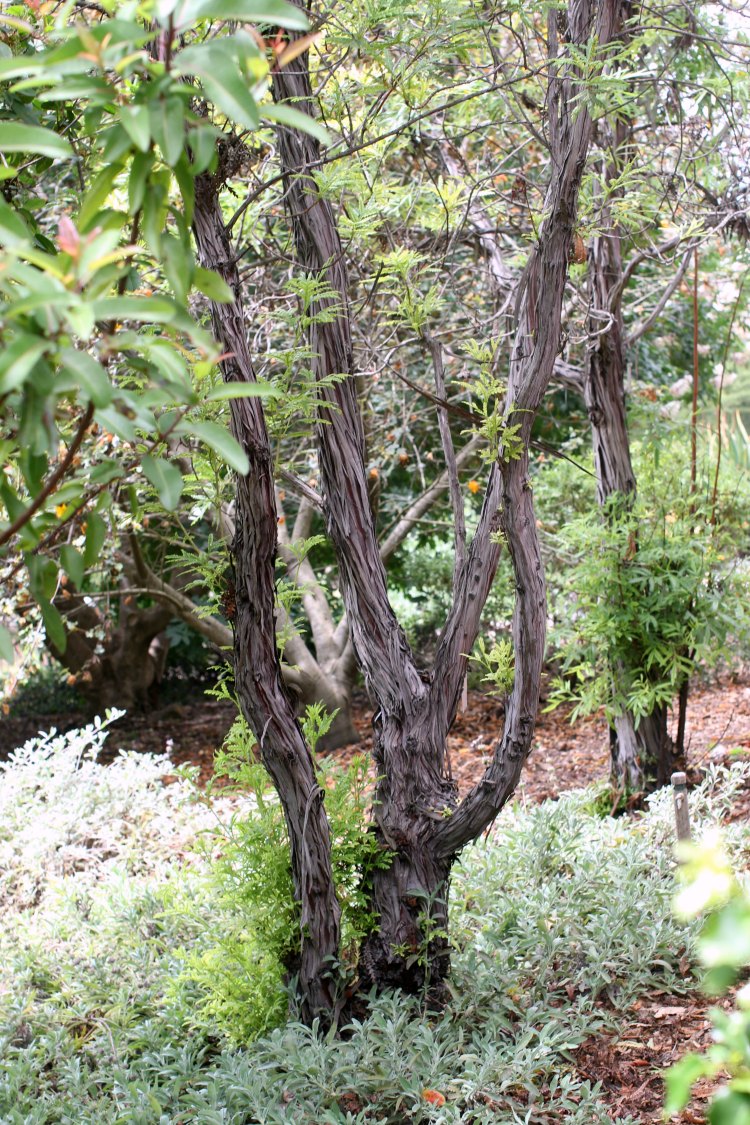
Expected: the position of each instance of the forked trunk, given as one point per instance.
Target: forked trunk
(643, 756)
(415, 812)
(409, 949)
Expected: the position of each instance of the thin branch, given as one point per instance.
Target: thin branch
(459, 522)
(53, 481)
(642, 327)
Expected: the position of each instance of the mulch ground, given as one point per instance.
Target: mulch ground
(660, 1028)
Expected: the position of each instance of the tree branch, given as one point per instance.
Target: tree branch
(53, 481)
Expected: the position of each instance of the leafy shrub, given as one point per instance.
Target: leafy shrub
(64, 816)
(100, 1023)
(653, 593)
(243, 964)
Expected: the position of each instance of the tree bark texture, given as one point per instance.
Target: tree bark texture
(415, 811)
(409, 735)
(640, 751)
(262, 694)
(121, 669)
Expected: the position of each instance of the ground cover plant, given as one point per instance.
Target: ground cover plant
(115, 888)
(231, 235)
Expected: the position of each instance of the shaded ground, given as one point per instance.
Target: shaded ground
(660, 1028)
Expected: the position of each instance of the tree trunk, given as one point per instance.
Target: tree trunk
(113, 666)
(415, 809)
(257, 670)
(643, 755)
(641, 752)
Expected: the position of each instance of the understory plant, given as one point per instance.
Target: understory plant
(656, 591)
(243, 966)
(102, 1019)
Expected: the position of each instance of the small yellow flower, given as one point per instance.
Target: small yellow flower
(473, 487)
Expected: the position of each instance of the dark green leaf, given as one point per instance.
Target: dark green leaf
(96, 533)
(54, 625)
(166, 479)
(275, 12)
(214, 287)
(136, 122)
(295, 119)
(73, 565)
(730, 1108)
(241, 390)
(168, 127)
(90, 375)
(220, 440)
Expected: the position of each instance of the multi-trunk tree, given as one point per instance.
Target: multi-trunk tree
(165, 108)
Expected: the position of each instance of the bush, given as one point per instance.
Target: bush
(248, 950)
(100, 1022)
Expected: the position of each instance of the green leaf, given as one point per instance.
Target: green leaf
(7, 651)
(136, 122)
(54, 625)
(140, 170)
(12, 227)
(214, 287)
(730, 1108)
(156, 310)
(219, 72)
(18, 359)
(73, 565)
(166, 479)
(220, 440)
(295, 119)
(90, 375)
(203, 146)
(96, 533)
(168, 127)
(42, 576)
(679, 1080)
(275, 12)
(178, 264)
(15, 137)
(96, 196)
(242, 390)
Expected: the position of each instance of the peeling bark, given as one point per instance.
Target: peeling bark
(263, 697)
(415, 812)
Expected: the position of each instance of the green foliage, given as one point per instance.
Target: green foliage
(654, 591)
(99, 1021)
(243, 966)
(497, 663)
(100, 344)
(712, 888)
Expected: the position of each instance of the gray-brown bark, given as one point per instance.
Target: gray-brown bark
(409, 738)
(536, 346)
(640, 751)
(113, 665)
(415, 708)
(260, 688)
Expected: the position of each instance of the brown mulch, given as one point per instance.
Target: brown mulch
(660, 1028)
